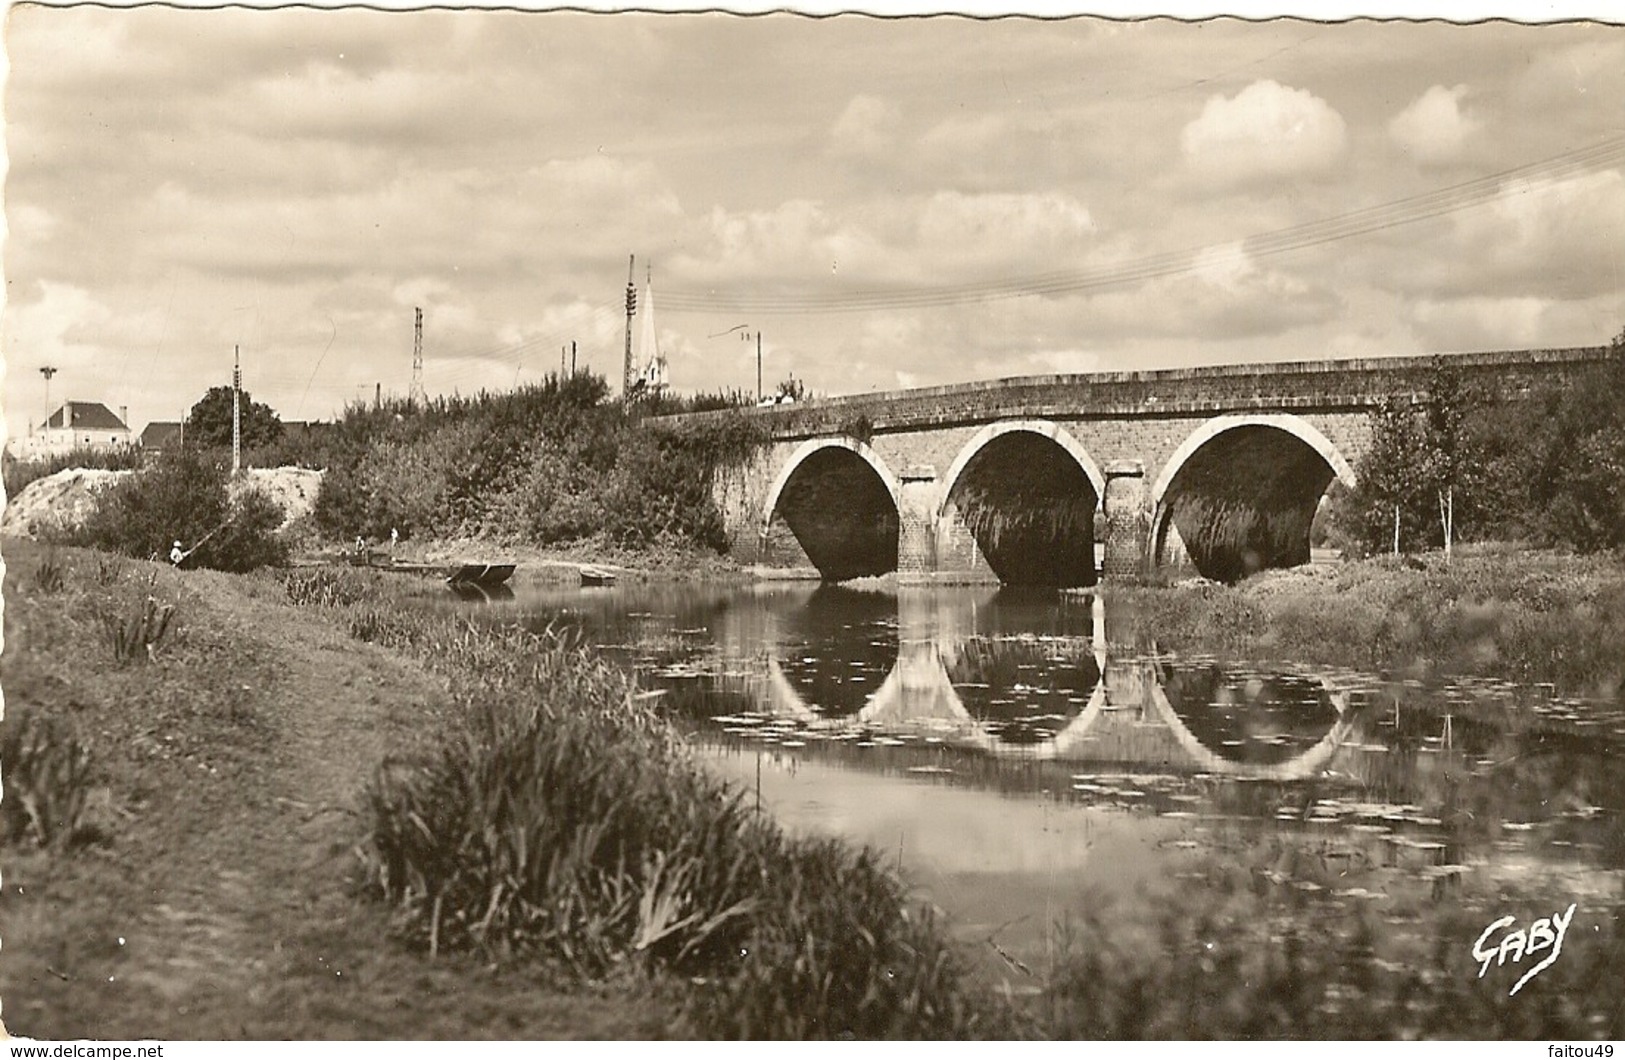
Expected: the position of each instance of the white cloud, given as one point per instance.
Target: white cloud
(868, 126)
(1562, 238)
(794, 240)
(1434, 128)
(55, 329)
(1266, 131)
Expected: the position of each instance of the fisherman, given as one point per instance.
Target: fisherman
(176, 554)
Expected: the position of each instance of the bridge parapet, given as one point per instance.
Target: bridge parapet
(1328, 385)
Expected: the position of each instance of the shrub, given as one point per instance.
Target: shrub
(47, 779)
(183, 498)
(552, 463)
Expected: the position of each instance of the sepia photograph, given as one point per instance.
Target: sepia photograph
(858, 524)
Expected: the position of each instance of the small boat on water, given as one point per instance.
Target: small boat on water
(474, 573)
(480, 573)
(597, 576)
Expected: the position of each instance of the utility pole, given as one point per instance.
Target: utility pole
(631, 309)
(236, 411)
(47, 371)
(417, 398)
(572, 358)
(758, 367)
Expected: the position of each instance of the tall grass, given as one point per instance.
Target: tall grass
(558, 817)
(1523, 616)
(47, 769)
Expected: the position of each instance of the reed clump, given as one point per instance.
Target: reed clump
(558, 818)
(324, 587)
(49, 576)
(137, 637)
(47, 776)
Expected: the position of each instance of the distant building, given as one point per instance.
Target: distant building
(159, 436)
(76, 425)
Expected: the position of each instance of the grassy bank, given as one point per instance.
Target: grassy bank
(1533, 617)
(197, 874)
(542, 857)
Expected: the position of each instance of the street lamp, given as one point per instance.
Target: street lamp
(47, 371)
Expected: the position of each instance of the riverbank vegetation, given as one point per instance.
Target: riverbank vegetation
(1546, 467)
(184, 497)
(1497, 611)
(546, 464)
(1242, 952)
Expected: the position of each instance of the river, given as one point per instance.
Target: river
(1022, 767)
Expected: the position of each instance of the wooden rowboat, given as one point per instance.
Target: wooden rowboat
(480, 573)
(597, 576)
(454, 573)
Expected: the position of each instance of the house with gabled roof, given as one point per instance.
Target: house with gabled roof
(75, 425)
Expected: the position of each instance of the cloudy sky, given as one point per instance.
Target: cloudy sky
(891, 203)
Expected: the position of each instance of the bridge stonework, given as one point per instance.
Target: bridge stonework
(1020, 480)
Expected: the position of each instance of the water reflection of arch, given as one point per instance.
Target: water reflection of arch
(919, 692)
(848, 643)
(840, 500)
(1026, 491)
(1305, 764)
(1240, 493)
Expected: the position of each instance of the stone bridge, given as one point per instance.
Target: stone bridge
(1018, 479)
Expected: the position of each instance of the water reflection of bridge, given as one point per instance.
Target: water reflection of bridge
(1098, 707)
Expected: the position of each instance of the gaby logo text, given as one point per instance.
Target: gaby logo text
(1544, 934)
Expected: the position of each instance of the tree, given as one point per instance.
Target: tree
(1581, 492)
(208, 424)
(1397, 474)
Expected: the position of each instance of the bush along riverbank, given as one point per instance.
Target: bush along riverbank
(1524, 616)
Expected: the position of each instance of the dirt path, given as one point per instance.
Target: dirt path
(222, 904)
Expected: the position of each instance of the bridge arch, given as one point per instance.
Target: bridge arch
(1241, 491)
(840, 501)
(1026, 491)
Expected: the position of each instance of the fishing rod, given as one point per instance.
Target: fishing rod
(184, 555)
